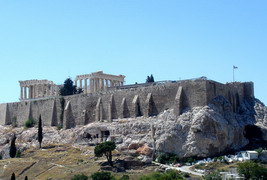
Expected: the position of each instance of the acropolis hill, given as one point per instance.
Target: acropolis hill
(191, 118)
(105, 98)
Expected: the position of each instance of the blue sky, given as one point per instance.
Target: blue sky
(179, 39)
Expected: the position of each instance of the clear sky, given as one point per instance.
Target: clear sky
(171, 39)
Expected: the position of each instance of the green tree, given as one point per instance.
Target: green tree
(150, 79)
(68, 88)
(106, 149)
(79, 177)
(147, 79)
(13, 149)
(13, 177)
(102, 176)
(252, 170)
(40, 132)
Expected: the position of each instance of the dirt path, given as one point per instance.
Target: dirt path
(183, 169)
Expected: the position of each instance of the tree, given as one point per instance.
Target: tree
(150, 79)
(13, 149)
(40, 132)
(79, 177)
(252, 170)
(68, 88)
(26, 178)
(13, 177)
(147, 79)
(106, 149)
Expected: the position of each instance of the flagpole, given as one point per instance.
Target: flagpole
(233, 74)
(234, 67)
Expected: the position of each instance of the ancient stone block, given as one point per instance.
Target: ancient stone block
(54, 115)
(150, 108)
(5, 118)
(112, 111)
(69, 121)
(124, 109)
(8, 120)
(99, 110)
(178, 102)
(29, 115)
(136, 107)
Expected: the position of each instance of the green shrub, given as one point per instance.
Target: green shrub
(251, 170)
(18, 153)
(169, 175)
(79, 177)
(213, 176)
(29, 123)
(102, 176)
(186, 175)
(259, 150)
(190, 160)
(125, 177)
(167, 158)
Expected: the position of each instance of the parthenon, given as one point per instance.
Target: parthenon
(98, 81)
(89, 83)
(32, 89)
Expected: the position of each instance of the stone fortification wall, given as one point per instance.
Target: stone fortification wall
(124, 103)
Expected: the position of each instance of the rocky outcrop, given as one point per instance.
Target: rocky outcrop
(199, 132)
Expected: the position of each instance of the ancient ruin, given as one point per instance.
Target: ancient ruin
(191, 118)
(32, 89)
(98, 81)
(88, 83)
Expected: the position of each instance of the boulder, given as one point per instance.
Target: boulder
(144, 150)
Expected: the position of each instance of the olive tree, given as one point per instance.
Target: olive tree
(106, 149)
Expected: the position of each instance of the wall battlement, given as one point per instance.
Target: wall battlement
(125, 101)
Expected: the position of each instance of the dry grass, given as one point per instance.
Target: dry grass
(56, 162)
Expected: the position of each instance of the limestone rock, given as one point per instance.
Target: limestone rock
(145, 150)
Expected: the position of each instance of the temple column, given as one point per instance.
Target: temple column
(30, 92)
(99, 85)
(25, 92)
(102, 85)
(95, 84)
(21, 92)
(33, 94)
(75, 82)
(85, 86)
(81, 83)
(91, 85)
(106, 85)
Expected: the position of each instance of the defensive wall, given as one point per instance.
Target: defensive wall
(125, 101)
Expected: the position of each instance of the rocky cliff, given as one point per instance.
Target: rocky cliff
(199, 132)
